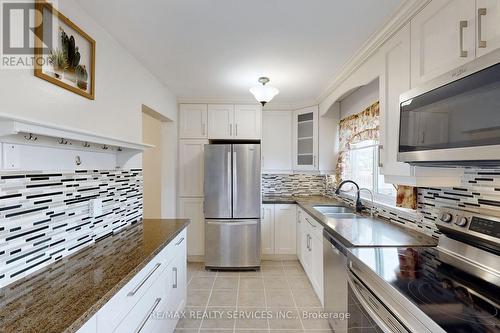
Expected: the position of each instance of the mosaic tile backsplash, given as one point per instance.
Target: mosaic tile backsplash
(293, 184)
(45, 216)
(478, 192)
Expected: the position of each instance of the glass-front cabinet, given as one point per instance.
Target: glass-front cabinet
(306, 139)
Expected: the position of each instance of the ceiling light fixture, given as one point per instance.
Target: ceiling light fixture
(264, 94)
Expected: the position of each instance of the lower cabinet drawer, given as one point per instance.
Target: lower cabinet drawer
(146, 315)
(115, 310)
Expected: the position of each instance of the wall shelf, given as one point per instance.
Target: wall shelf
(30, 145)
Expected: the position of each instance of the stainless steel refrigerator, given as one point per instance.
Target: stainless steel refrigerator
(232, 205)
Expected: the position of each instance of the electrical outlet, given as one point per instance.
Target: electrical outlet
(95, 207)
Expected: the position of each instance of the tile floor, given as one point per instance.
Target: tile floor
(278, 298)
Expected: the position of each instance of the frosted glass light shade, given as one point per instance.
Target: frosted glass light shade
(264, 93)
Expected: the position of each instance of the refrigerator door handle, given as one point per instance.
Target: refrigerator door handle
(229, 199)
(235, 182)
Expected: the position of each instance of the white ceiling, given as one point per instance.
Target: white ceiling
(217, 49)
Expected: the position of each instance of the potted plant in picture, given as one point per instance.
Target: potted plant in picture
(57, 59)
(81, 77)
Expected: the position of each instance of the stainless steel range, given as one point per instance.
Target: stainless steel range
(454, 287)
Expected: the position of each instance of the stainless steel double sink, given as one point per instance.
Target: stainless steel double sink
(338, 212)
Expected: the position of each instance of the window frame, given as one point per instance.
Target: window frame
(377, 196)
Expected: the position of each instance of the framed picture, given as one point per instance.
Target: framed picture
(64, 53)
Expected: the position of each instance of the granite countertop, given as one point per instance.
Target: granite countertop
(64, 295)
(364, 231)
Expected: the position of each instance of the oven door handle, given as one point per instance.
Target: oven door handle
(356, 286)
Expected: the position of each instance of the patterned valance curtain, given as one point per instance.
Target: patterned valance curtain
(354, 129)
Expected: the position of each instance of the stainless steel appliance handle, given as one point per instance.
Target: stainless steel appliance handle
(136, 289)
(174, 270)
(150, 312)
(232, 222)
(229, 182)
(235, 181)
(312, 225)
(357, 289)
(463, 24)
(480, 13)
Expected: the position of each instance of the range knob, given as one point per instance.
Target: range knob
(462, 221)
(446, 217)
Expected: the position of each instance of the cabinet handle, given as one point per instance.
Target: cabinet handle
(180, 241)
(174, 270)
(263, 213)
(236, 129)
(463, 24)
(480, 13)
(204, 129)
(230, 129)
(380, 164)
(134, 291)
(312, 225)
(150, 312)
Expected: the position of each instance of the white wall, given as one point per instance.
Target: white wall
(122, 86)
(360, 99)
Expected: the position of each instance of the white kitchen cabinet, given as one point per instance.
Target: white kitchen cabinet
(192, 208)
(247, 122)
(220, 121)
(193, 121)
(311, 251)
(488, 26)
(298, 234)
(317, 265)
(267, 229)
(285, 217)
(305, 139)
(234, 122)
(278, 229)
(443, 37)
(277, 141)
(89, 327)
(394, 80)
(191, 167)
(158, 288)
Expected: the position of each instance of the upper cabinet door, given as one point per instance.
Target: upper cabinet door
(394, 80)
(305, 139)
(220, 121)
(193, 121)
(247, 122)
(442, 38)
(191, 170)
(488, 26)
(277, 141)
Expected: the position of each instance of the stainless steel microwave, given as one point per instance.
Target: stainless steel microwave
(454, 120)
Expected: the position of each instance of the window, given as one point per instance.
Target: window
(358, 154)
(363, 169)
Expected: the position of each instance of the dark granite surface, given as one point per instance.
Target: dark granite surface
(364, 231)
(64, 295)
